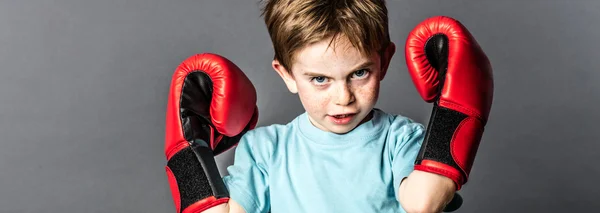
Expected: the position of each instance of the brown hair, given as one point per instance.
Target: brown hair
(294, 24)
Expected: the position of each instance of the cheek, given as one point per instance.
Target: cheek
(312, 99)
(369, 92)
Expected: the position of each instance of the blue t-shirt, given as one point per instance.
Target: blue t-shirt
(300, 168)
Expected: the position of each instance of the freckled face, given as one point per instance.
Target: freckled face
(337, 85)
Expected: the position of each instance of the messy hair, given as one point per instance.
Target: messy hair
(294, 24)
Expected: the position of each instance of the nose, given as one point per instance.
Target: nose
(345, 95)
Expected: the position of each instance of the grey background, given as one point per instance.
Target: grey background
(84, 83)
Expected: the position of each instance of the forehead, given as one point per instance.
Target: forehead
(327, 53)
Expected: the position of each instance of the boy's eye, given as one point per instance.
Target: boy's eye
(319, 80)
(361, 73)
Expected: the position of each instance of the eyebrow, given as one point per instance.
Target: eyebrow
(361, 66)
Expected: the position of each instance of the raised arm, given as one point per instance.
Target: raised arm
(211, 105)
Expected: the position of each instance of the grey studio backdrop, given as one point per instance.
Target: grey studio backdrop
(84, 83)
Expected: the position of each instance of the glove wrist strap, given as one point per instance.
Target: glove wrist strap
(437, 144)
(195, 176)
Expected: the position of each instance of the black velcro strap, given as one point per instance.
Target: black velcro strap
(197, 174)
(436, 145)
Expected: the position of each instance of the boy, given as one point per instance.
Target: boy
(341, 155)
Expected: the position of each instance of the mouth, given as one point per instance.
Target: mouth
(342, 118)
(343, 115)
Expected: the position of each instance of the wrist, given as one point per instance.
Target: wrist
(442, 170)
(194, 179)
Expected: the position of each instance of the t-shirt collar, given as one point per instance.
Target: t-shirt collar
(362, 132)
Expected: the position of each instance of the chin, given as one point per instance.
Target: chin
(342, 129)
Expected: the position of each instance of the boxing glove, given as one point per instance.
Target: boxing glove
(449, 68)
(211, 105)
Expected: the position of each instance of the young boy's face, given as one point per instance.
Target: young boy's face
(337, 85)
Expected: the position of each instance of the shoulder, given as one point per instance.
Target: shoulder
(400, 122)
(267, 137)
(402, 127)
(263, 134)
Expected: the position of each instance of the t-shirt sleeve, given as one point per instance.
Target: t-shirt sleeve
(247, 179)
(409, 138)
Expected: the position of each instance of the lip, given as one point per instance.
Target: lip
(350, 113)
(342, 121)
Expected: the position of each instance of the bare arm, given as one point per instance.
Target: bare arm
(425, 192)
(230, 207)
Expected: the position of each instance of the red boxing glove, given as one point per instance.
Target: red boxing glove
(449, 69)
(211, 105)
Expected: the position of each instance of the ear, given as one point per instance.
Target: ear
(386, 58)
(287, 77)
